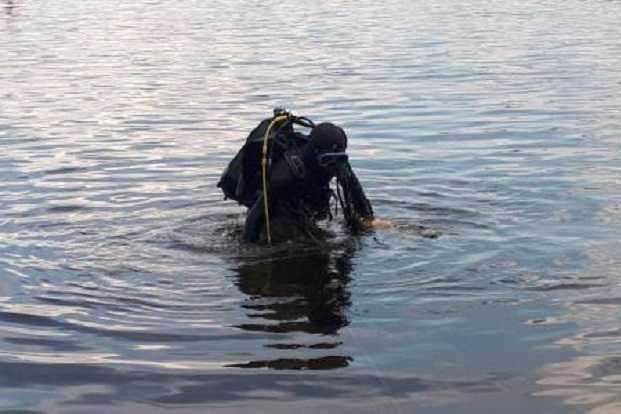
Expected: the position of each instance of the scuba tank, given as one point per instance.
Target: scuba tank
(241, 180)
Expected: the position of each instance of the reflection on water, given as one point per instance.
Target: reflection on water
(591, 382)
(307, 294)
(9, 7)
(591, 379)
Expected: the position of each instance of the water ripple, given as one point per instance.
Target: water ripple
(486, 132)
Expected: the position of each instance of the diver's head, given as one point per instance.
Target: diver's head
(326, 149)
(327, 137)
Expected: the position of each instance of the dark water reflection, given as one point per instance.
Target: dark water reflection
(307, 294)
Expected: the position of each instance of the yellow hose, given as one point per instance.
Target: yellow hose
(264, 174)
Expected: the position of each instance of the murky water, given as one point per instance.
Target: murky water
(487, 131)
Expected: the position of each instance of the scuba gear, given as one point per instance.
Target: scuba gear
(326, 141)
(240, 181)
(275, 120)
(331, 158)
(285, 175)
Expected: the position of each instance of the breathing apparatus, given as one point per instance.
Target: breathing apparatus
(283, 119)
(316, 155)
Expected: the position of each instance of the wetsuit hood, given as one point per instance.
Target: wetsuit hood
(325, 138)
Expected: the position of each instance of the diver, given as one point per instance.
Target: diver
(283, 177)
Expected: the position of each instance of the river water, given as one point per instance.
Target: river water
(488, 132)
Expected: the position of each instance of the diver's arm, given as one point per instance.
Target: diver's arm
(362, 216)
(361, 204)
(356, 206)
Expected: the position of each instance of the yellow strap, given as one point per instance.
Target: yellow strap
(264, 174)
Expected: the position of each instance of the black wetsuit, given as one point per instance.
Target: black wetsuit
(299, 190)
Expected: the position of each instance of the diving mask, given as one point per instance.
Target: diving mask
(331, 158)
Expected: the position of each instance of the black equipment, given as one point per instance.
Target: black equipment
(282, 172)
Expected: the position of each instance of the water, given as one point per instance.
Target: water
(486, 131)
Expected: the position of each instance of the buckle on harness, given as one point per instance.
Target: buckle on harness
(296, 165)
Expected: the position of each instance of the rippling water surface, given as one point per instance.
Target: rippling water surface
(488, 132)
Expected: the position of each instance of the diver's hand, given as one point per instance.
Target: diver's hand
(374, 223)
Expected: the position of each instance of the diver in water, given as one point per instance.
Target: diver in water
(283, 177)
